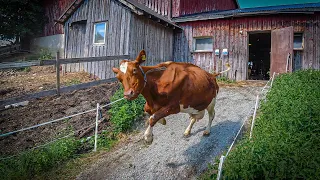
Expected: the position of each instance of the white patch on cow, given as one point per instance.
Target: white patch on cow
(189, 110)
(123, 67)
(148, 136)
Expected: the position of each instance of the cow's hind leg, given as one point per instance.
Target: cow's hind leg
(211, 113)
(193, 119)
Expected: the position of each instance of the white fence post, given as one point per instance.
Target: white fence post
(272, 79)
(220, 167)
(96, 131)
(254, 115)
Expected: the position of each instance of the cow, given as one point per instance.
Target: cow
(170, 88)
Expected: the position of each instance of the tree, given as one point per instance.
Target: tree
(21, 18)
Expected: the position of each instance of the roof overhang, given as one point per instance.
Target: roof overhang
(143, 10)
(293, 9)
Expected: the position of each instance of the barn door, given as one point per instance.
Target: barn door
(76, 39)
(281, 50)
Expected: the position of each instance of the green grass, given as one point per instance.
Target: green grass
(225, 80)
(125, 113)
(43, 161)
(74, 81)
(285, 143)
(30, 163)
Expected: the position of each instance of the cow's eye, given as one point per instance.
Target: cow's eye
(134, 71)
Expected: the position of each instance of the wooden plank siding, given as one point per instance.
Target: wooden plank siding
(127, 34)
(233, 35)
(186, 7)
(53, 9)
(162, 7)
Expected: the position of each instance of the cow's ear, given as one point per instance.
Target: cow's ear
(141, 57)
(115, 70)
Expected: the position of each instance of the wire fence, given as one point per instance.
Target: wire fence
(98, 112)
(253, 111)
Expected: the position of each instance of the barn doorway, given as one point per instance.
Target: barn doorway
(259, 56)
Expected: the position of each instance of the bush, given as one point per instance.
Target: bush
(36, 161)
(125, 113)
(286, 141)
(45, 54)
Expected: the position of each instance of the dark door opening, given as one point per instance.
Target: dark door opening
(259, 56)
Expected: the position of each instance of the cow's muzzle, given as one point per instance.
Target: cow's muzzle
(130, 95)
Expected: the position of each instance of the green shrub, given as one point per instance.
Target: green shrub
(31, 163)
(285, 143)
(124, 113)
(45, 54)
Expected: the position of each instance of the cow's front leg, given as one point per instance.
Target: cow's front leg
(161, 113)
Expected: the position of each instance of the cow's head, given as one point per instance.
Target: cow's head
(131, 76)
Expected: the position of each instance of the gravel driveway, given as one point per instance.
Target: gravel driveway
(172, 156)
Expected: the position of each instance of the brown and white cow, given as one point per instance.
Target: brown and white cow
(170, 88)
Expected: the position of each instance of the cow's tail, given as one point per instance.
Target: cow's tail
(219, 73)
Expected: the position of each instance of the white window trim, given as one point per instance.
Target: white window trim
(302, 35)
(201, 37)
(105, 33)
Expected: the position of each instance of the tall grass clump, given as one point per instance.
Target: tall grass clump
(125, 113)
(285, 143)
(31, 163)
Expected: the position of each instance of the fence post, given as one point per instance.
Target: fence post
(220, 167)
(254, 115)
(96, 131)
(272, 79)
(58, 73)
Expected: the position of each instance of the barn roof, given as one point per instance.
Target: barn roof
(134, 6)
(309, 8)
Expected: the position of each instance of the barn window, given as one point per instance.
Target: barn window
(203, 44)
(99, 33)
(298, 41)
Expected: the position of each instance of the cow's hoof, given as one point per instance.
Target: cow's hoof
(148, 139)
(206, 133)
(186, 134)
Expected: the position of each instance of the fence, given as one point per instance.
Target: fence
(97, 119)
(255, 108)
(105, 75)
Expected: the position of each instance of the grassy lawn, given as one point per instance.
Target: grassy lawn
(285, 143)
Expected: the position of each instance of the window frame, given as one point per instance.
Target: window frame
(302, 42)
(105, 32)
(202, 37)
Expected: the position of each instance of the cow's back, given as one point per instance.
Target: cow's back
(189, 84)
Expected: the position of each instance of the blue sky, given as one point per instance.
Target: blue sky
(261, 3)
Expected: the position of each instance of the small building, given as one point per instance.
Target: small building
(255, 41)
(95, 28)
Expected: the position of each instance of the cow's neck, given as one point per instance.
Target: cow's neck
(149, 91)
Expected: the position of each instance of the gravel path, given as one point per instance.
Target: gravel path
(172, 156)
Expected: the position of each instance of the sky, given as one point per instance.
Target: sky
(261, 3)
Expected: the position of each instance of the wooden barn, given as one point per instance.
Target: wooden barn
(95, 28)
(255, 41)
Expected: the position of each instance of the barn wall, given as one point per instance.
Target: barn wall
(185, 7)
(226, 34)
(127, 34)
(53, 10)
